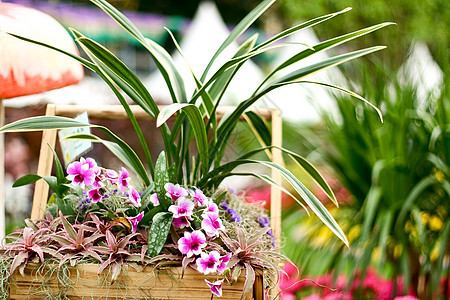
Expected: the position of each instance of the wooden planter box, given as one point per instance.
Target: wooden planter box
(150, 283)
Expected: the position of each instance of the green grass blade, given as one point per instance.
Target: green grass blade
(314, 204)
(301, 26)
(83, 61)
(323, 65)
(324, 46)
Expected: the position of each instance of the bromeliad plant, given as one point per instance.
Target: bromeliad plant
(179, 172)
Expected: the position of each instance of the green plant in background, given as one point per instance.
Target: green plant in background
(398, 174)
(426, 21)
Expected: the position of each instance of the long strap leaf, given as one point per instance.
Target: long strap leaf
(323, 46)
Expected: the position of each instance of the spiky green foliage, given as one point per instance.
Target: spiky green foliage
(397, 172)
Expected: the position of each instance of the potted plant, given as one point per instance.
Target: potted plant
(100, 230)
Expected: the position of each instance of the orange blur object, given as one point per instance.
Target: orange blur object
(26, 68)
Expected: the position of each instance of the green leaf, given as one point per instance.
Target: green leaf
(148, 216)
(68, 228)
(43, 123)
(324, 46)
(159, 232)
(27, 179)
(161, 178)
(313, 203)
(259, 128)
(58, 167)
(322, 65)
(197, 125)
(83, 61)
(301, 26)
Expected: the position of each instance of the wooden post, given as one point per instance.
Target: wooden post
(275, 199)
(2, 174)
(44, 168)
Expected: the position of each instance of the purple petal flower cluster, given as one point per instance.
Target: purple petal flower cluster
(194, 206)
(265, 222)
(234, 217)
(102, 183)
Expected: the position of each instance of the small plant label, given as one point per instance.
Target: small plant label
(73, 149)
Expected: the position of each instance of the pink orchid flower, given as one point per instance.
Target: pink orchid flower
(183, 209)
(174, 191)
(192, 243)
(223, 263)
(208, 262)
(211, 207)
(80, 174)
(154, 199)
(199, 197)
(216, 287)
(95, 195)
(111, 175)
(134, 198)
(180, 222)
(123, 179)
(135, 221)
(212, 224)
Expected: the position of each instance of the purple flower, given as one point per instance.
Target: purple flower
(208, 263)
(154, 199)
(134, 198)
(192, 243)
(122, 179)
(80, 173)
(135, 221)
(264, 221)
(232, 190)
(212, 224)
(211, 207)
(180, 222)
(183, 209)
(224, 205)
(199, 197)
(174, 191)
(236, 218)
(231, 211)
(216, 287)
(223, 262)
(95, 195)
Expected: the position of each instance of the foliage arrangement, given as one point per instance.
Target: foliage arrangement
(172, 214)
(397, 174)
(416, 21)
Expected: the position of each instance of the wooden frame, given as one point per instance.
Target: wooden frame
(116, 112)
